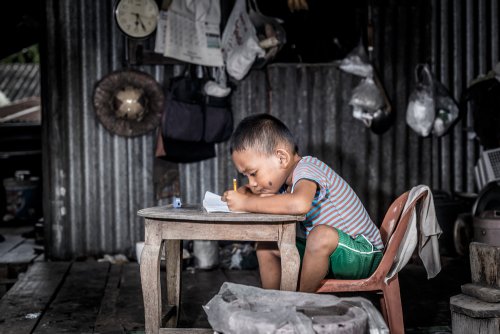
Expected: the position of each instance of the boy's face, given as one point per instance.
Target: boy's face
(266, 173)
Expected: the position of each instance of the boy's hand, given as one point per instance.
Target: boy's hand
(245, 189)
(297, 203)
(236, 199)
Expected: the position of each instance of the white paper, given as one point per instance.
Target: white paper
(213, 203)
(193, 32)
(161, 32)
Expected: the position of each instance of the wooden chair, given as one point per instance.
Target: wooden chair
(392, 231)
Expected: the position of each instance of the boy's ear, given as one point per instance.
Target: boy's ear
(283, 156)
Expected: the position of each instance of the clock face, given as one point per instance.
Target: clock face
(137, 18)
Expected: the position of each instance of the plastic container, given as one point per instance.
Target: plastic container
(22, 197)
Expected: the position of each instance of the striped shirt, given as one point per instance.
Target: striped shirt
(335, 203)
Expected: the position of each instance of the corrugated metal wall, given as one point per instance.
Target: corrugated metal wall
(459, 39)
(465, 44)
(20, 81)
(94, 181)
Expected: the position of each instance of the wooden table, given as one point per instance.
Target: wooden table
(191, 222)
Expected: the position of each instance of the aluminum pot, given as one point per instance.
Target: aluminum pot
(487, 227)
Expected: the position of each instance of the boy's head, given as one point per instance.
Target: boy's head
(264, 150)
(262, 133)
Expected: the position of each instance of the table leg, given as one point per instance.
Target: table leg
(290, 260)
(173, 256)
(151, 289)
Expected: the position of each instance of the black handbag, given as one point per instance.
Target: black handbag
(192, 116)
(182, 151)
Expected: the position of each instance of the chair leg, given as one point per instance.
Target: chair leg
(392, 303)
(383, 309)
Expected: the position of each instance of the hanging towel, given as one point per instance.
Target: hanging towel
(423, 228)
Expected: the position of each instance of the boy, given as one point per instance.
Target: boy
(342, 241)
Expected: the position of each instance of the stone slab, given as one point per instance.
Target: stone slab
(474, 307)
(484, 293)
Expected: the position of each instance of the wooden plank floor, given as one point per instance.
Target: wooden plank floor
(16, 253)
(97, 297)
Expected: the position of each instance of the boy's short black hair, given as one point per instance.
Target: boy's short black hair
(263, 133)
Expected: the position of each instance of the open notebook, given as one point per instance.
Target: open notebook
(213, 203)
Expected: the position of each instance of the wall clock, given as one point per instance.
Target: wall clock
(136, 18)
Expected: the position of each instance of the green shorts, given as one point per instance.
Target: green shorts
(352, 259)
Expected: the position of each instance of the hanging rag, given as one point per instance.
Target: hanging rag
(423, 228)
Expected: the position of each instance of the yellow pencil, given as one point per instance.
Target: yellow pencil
(235, 184)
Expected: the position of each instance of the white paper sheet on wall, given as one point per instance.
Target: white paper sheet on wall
(192, 32)
(161, 32)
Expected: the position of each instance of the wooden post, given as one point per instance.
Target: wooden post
(477, 310)
(485, 264)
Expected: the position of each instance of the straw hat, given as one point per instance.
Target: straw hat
(128, 102)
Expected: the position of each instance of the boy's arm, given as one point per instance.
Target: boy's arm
(297, 203)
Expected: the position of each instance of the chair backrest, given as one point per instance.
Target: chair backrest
(393, 229)
(392, 217)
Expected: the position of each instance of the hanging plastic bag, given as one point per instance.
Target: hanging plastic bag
(370, 105)
(447, 110)
(369, 100)
(367, 96)
(356, 62)
(365, 101)
(240, 45)
(421, 111)
(430, 107)
(270, 34)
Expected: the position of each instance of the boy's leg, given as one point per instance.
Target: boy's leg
(321, 242)
(269, 264)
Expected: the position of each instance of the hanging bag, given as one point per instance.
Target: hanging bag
(240, 45)
(192, 121)
(269, 32)
(430, 107)
(181, 151)
(421, 113)
(447, 111)
(192, 116)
